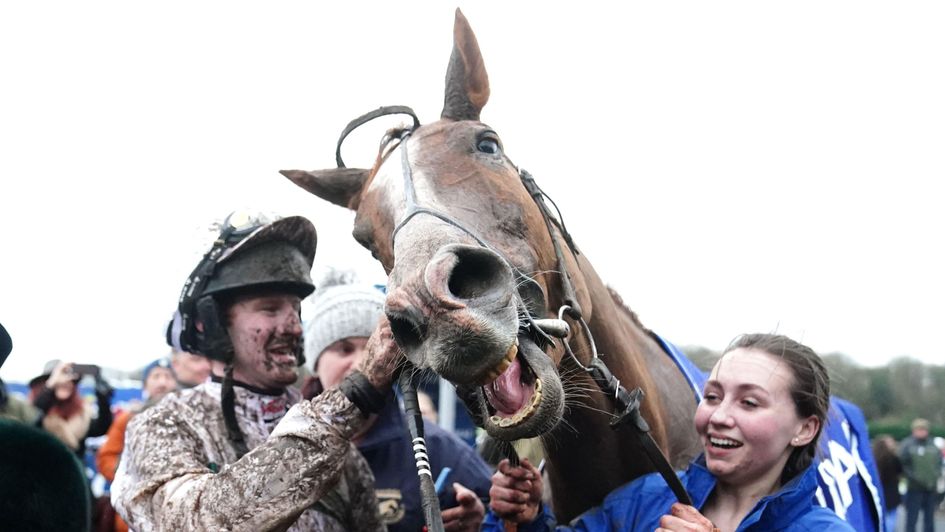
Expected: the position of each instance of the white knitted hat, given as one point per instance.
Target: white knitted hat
(338, 312)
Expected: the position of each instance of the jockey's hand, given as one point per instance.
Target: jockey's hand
(684, 518)
(468, 515)
(383, 357)
(515, 494)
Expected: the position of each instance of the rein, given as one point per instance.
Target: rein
(627, 403)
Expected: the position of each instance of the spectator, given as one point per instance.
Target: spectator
(190, 369)
(42, 485)
(63, 413)
(890, 470)
(762, 412)
(341, 318)
(921, 465)
(240, 452)
(12, 407)
(15, 408)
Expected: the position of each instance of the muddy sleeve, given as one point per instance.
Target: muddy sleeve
(165, 483)
(364, 508)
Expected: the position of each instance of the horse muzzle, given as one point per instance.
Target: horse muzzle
(459, 316)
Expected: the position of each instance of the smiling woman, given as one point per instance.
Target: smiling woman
(763, 410)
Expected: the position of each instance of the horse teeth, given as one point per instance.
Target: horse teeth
(493, 374)
(536, 398)
(519, 417)
(513, 350)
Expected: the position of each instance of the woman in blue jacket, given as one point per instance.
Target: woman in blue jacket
(763, 409)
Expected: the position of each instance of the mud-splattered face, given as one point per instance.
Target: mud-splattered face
(266, 333)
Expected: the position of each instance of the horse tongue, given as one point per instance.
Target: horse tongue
(506, 394)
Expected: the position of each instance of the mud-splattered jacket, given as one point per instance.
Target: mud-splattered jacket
(180, 472)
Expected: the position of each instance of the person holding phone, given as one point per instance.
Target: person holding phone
(63, 413)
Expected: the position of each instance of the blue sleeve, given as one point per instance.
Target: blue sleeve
(821, 518)
(620, 511)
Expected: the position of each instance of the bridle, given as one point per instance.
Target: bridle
(570, 306)
(627, 403)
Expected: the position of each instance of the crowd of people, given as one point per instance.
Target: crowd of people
(232, 433)
(916, 464)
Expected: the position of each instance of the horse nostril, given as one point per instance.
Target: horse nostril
(477, 272)
(407, 329)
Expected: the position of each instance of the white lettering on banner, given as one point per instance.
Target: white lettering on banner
(836, 470)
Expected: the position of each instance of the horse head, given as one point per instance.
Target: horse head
(469, 256)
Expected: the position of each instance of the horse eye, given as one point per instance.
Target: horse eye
(488, 145)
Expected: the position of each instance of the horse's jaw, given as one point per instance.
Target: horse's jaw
(525, 400)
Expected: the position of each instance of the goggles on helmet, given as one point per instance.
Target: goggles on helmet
(235, 229)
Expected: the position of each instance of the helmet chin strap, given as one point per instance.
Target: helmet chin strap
(227, 400)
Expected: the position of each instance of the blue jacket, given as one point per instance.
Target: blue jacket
(388, 451)
(640, 504)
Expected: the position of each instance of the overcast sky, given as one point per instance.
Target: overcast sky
(726, 166)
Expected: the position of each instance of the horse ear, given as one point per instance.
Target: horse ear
(337, 185)
(467, 84)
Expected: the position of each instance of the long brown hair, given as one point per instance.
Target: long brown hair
(65, 408)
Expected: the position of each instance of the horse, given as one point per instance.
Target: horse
(466, 281)
(475, 261)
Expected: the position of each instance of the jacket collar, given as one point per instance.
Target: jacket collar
(785, 505)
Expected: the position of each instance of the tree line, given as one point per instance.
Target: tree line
(890, 396)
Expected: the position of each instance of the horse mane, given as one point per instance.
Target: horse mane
(627, 310)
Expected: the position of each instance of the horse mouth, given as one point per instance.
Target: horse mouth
(520, 397)
(512, 390)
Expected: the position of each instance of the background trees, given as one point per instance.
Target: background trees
(890, 396)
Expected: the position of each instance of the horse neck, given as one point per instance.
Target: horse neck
(625, 346)
(608, 458)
